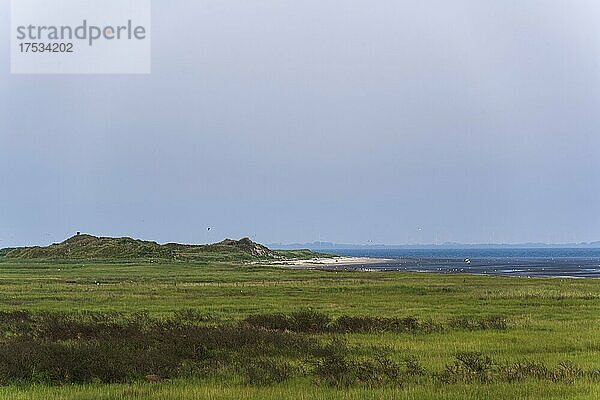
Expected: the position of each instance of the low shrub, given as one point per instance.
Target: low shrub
(567, 371)
(470, 323)
(523, 370)
(414, 367)
(306, 321)
(272, 322)
(469, 366)
(314, 322)
(309, 321)
(338, 369)
(264, 372)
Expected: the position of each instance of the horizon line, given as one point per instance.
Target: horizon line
(443, 244)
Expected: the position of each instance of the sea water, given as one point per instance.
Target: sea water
(524, 262)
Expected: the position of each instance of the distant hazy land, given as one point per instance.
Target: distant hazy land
(322, 246)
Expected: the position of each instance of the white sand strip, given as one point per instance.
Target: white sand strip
(332, 262)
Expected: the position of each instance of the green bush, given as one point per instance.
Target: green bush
(338, 369)
(567, 371)
(523, 370)
(414, 367)
(469, 366)
(469, 323)
(264, 372)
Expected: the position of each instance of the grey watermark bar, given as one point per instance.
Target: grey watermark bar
(80, 36)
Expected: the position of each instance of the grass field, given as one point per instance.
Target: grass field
(554, 323)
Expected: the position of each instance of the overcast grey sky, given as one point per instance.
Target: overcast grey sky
(345, 121)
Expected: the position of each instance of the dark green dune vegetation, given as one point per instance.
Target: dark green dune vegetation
(88, 247)
(103, 318)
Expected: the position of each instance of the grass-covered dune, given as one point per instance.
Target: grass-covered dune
(236, 330)
(88, 247)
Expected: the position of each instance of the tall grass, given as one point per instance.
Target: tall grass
(302, 390)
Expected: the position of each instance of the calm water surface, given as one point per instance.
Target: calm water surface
(566, 263)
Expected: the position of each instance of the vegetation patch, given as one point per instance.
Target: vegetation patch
(315, 322)
(78, 348)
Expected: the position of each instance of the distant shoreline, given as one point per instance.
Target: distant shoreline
(338, 261)
(327, 246)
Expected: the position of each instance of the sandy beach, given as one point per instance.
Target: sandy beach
(332, 262)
